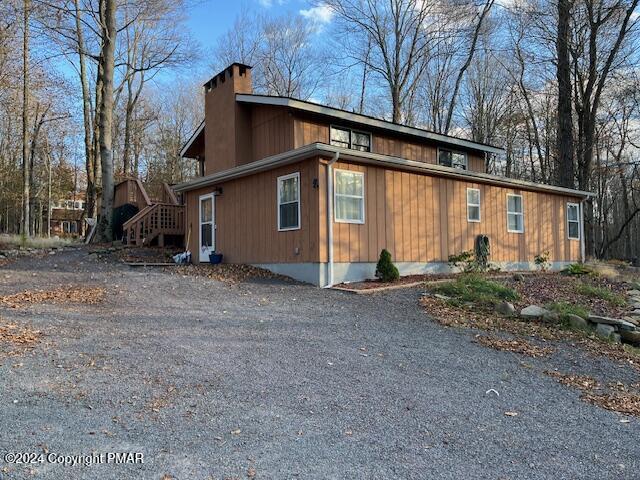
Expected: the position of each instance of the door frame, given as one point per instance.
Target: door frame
(213, 225)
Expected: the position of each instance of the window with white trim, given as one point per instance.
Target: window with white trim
(473, 205)
(349, 196)
(515, 215)
(451, 158)
(573, 221)
(344, 137)
(289, 202)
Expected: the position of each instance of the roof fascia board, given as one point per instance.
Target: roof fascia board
(362, 119)
(192, 139)
(373, 159)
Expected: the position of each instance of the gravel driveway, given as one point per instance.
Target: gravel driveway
(285, 381)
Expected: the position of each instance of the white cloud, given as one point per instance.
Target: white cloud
(320, 14)
(270, 3)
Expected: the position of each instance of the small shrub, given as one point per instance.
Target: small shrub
(385, 269)
(564, 309)
(474, 288)
(542, 261)
(601, 293)
(461, 259)
(577, 269)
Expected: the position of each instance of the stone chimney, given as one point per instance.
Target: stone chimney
(227, 124)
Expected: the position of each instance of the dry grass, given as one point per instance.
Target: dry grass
(16, 241)
(70, 294)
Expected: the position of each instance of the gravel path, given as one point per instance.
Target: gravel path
(285, 381)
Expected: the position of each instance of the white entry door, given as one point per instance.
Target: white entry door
(207, 227)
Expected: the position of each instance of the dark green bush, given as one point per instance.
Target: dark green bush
(385, 269)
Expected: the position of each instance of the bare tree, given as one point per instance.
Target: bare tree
(107, 64)
(26, 224)
(399, 43)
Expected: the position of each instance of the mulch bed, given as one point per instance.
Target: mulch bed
(543, 288)
(406, 280)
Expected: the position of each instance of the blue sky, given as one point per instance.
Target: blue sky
(208, 19)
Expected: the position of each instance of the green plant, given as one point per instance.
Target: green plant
(461, 259)
(385, 269)
(578, 269)
(474, 288)
(542, 261)
(564, 309)
(601, 293)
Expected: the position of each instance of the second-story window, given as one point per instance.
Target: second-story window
(343, 137)
(450, 158)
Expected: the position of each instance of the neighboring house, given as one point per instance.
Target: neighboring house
(66, 217)
(316, 193)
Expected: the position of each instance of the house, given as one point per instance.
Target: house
(66, 216)
(316, 193)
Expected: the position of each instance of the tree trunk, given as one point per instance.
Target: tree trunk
(108, 18)
(26, 194)
(91, 199)
(565, 168)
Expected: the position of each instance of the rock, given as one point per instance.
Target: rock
(635, 306)
(533, 311)
(634, 293)
(551, 317)
(577, 322)
(518, 277)
(506, 308)
(442, 297)
(634, 320)
(622, 324)
(630, 337)
(615, 337)
(636, 313)
(605, 330)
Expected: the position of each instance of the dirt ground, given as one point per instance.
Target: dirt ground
(271, 379)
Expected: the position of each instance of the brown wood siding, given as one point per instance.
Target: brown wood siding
(272, 131)
(421, 218)
(311, 130)
(246, 218)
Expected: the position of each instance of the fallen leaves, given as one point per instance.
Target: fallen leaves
(622, 398)
(621, 402)
(581, 382)
(69, 294)
(515, 346)
(22, 336)
(226, 272)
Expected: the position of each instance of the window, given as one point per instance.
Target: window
(340, 137)
(449, 158)
(473, 205)
(515, 217)
(343, 137)
(573, 221)
(289, 202)
(349, 196)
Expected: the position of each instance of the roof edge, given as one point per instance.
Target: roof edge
(365, 120)
(312, 149)
(192, 139)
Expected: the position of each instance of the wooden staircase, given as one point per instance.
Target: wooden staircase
(156, 219)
